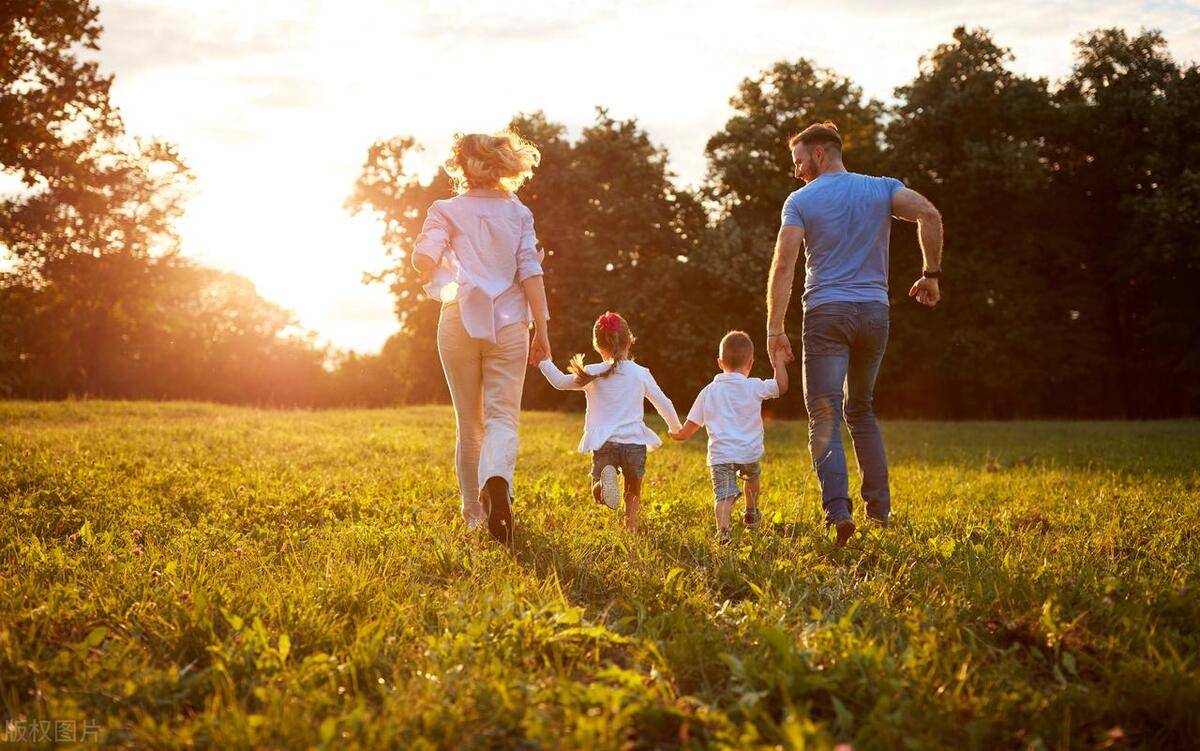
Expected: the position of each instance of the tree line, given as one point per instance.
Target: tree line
(1071, 212)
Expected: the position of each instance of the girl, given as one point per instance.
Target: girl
(613, 427)
(479, 255)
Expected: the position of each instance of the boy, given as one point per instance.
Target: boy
(730, 408)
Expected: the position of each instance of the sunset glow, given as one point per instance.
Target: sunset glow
(273, 104)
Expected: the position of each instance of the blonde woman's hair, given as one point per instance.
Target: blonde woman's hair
(478, 160)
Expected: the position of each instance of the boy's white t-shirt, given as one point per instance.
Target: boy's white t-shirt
(730, 409)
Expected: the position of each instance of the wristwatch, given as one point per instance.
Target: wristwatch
(932, 274)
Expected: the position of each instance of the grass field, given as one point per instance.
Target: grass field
(190, 575)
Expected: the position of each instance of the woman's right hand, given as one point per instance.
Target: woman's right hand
(539, 348)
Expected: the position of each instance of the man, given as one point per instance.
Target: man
(843, 220)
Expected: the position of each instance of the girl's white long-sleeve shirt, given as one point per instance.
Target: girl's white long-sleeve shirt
(615, 408)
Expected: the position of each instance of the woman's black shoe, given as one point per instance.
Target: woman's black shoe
(494, 497)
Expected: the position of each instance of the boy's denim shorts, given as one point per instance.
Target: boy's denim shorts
(629, 458)
(725, 478)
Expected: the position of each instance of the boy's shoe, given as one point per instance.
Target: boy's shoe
(752, 518)
(494, 497)
(723, 536)
(475, 525)
(845, 530)
(610, 493)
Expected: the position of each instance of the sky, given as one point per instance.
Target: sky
(273, 103)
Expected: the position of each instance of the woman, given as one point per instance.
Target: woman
(479, 254)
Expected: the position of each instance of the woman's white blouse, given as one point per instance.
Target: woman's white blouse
(485, 247)
(615, 410)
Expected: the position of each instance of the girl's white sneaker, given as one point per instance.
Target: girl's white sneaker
(609, 492)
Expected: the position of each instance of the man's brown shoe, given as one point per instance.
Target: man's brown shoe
(845, 530)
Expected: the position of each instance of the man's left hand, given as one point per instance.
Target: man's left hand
(925, 291)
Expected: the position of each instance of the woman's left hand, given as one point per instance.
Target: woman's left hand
(425, 266)
(539, 348)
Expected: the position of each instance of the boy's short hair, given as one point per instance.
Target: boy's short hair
(737, 349)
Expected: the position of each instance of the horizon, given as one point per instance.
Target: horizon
(243, 91)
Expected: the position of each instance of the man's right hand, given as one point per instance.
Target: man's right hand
(778, 345)
(926, 291)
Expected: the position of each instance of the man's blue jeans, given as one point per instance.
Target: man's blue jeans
(844, 344)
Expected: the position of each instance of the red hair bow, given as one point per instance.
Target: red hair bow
(610, 322)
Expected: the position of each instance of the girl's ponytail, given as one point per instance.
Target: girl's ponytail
(582, 377)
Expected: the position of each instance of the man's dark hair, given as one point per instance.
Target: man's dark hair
(818, 134)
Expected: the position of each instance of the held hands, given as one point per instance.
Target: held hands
(539, 347)
(778, 345)
(925, 291)
(685, 431)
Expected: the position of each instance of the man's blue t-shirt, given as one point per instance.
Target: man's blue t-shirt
(847, 222)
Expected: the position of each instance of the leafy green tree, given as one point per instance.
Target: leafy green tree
(619, 235)
(969, 134)
(1168, 217)
(89, 187)
(100, 302)
(1126, 160)
(126, 326)
(54, 107)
